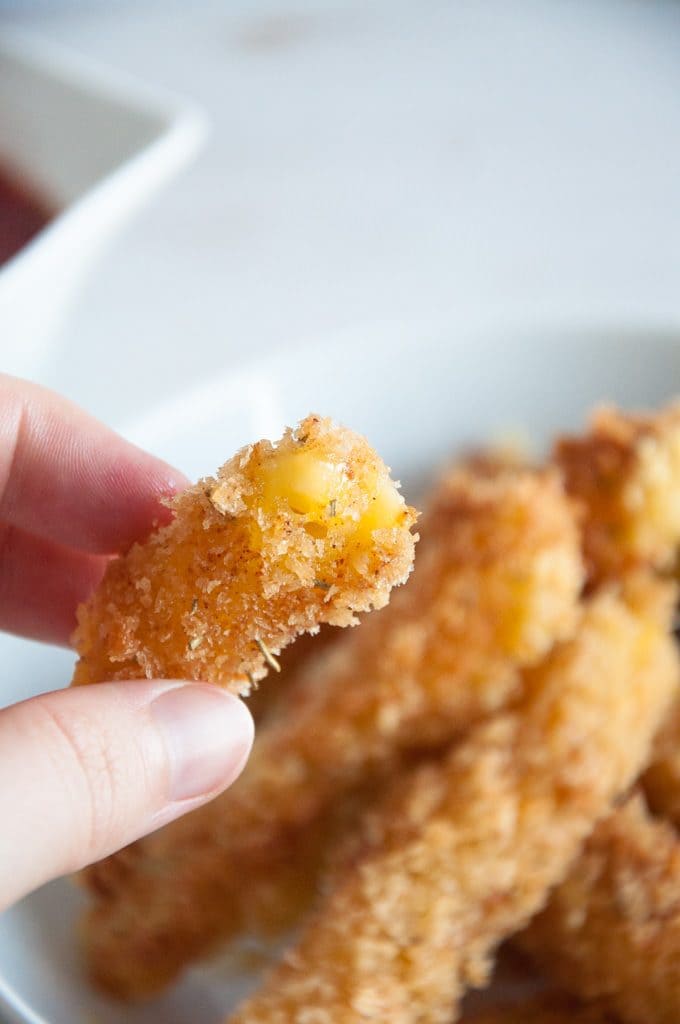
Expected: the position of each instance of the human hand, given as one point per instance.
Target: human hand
(87, 770)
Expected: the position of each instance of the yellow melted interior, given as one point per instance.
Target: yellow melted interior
(323, 493)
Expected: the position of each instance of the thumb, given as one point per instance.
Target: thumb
(85, 771)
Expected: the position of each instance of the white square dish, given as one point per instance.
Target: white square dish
(96, 145)
(418, 392)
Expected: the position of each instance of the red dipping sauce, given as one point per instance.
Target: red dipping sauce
(22, 214)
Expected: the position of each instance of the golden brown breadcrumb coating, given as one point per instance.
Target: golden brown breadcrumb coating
(626, 472)
(548, 1008)
(497, 581)
(466, 849)
(612, 929)
(285, 537)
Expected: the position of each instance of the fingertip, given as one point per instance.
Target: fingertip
(244, 728)
(207, 733)
(70, 479)
(96, 767)
(130, 497)
(152, 475)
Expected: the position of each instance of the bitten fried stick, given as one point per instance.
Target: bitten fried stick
(465, 852)
(612, 929)
(285, 537)
(542, 1009)
(497, 580)
(626, 472)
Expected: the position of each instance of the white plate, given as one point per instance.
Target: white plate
(418, 393)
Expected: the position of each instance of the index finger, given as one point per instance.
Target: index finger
(70, 479)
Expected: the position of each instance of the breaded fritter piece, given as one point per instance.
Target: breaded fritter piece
(549, 1008)
(285, 537)
(497, 581)
(612, 929)
(466, 850)
(626, 472)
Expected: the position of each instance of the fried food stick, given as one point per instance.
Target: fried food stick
(497, 581)
(612, 929)
(626, 472)
(285, 537)
(549, 1008)
(465, 852)
(629, 471)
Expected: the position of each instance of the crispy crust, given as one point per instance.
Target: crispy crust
(626, 472)
(239, 573)
(612, 930)
(465, 851)
(497, 582)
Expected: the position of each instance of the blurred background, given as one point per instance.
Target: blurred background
(367, 161)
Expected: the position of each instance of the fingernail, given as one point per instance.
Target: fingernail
(207, 733)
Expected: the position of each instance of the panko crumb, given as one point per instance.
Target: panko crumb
(285, 537)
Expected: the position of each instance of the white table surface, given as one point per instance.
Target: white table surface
(373, 160)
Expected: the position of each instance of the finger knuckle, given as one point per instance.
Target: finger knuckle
(91, 766)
